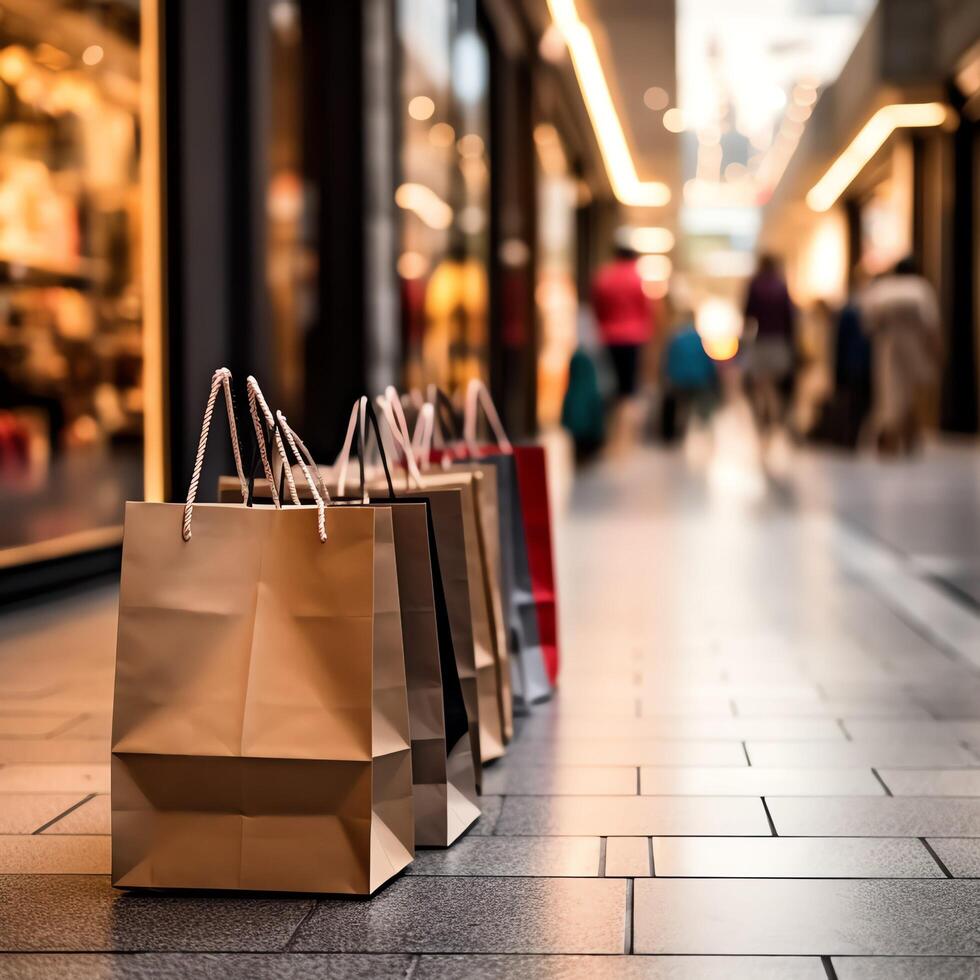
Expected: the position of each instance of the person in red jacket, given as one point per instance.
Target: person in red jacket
(623, 312)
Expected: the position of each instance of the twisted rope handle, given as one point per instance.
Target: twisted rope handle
(293, 440)
(477, 397)
(220, 379)
(256, 401)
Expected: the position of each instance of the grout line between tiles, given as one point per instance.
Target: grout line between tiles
(842, 727)
(828, 968)
(638, 793)
(54, 820)
(628, 938)
(745, 749)
(772, 826)
(884, 785)
(602, 857)
(653, 867)
(936, 857)
(299, 925)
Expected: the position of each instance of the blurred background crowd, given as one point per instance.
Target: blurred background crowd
(626, 216)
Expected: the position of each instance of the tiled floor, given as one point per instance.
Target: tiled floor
(764, 762)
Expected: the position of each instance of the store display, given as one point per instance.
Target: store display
(71, 357)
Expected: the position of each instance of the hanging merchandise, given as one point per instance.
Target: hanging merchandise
(260, 721)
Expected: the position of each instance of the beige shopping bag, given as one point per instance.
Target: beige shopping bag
(442, 760)
(260, 725)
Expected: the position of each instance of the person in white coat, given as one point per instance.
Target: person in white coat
(901, 316)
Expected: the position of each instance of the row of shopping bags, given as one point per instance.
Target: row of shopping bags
(309, 680)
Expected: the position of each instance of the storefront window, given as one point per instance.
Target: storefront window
(444, 192)
(71, 392)
(555, 292)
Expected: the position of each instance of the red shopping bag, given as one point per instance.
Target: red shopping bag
(532, 479)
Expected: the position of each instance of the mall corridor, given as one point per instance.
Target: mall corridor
(764, 760)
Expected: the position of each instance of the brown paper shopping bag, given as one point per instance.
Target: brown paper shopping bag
(487, 619)
(260, 724)
(443, 772)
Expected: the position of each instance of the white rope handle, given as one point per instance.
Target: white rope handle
(293, 439)
(390, 404)
(422, 436)
(357, 415)
(477, 397)
(220, 379)
(256, 401)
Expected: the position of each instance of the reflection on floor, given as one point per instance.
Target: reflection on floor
(764, 760)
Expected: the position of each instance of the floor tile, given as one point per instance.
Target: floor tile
(886, 816)
(560, 780)
(627, 857)
(756, 781)
(718, 727)
(555, 857)
(92, 817)
(801, 708)
(806, 917)
(50, 778)
(490, 813)
(475, 915)
(84, 912)
(620, 968)
(932, 782)
(43, 854)
(204, 966)
(626, 752)
(790, 857)
(631, 816)
(907, 968)
(23, 813)
(960, 855)
(890, 753)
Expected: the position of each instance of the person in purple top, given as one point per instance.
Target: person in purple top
(770, 320)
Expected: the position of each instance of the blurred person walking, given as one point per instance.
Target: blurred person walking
(691, 381)
(626, 325)
(901, 316)
(770, 319)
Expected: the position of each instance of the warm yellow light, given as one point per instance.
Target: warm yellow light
(470, 145)
(654, 268)
(14, 64)
(718, 324)
(93, 54)
(674, 121)
(442, 135)
(867, 143)
(654, 289)
(412, 265)
(626, 184)
(648, 240)
(426, 204)
(421, 107)
(655, 98)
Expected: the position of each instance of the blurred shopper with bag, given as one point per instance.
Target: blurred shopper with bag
(626, 325)
(770, 320)
(901, 315)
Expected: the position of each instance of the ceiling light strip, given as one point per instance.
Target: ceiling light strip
(616, 156)
(873, 135)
